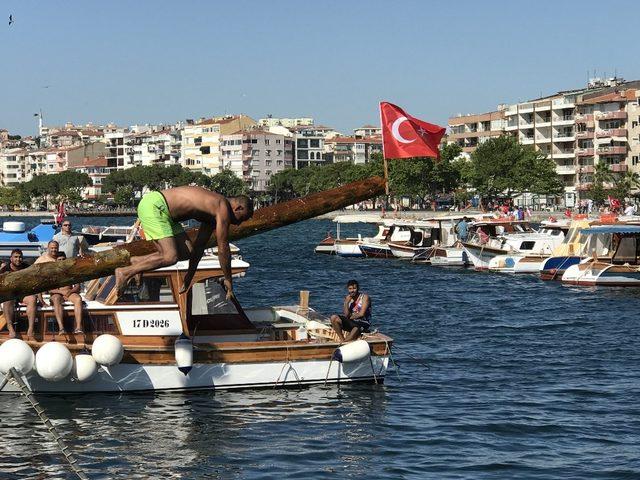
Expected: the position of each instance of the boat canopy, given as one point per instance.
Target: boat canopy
(623, 229)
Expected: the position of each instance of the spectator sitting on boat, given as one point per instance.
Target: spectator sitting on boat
(356, 314)
(160, 214)
(462, 229)
(482, 235)
(68, 293)
(16, 262)
(70, 243)
(51, 255)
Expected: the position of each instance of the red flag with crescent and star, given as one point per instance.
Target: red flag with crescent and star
(404, 136)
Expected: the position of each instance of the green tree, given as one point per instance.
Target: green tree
(66, 186)
(228, 184)
(501, 166)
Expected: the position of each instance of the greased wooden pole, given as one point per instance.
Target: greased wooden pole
(46, 276)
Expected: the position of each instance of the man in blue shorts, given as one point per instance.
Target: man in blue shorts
(160, 214)
(356, 314)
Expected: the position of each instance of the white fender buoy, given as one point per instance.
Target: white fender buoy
(53, 361)
(17, 354)
(184, 353)
(352, 351)
(84, 367)
(107, 350)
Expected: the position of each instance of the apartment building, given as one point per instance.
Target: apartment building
(367, 131)
(356, 150)
(119, 145)
(97, 169)
(12, 161)
(285, 122)
(548, 124)
(470, 130)
(200, 143)
(255, 155)
(157, 147)
(309, 144)
(607, 132)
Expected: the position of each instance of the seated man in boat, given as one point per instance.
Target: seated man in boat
(160, 214)
(51, 255)
(356, 314)
(16, 262)
(68, 293)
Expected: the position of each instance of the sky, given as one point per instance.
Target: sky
(136, 62)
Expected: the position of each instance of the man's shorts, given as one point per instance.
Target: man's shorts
(155, 218)
(348, 324)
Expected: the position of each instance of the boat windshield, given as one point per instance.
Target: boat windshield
(209, 298)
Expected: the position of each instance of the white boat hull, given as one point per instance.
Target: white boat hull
(348, 250)
(218, 376)
(481, 256)
(602, 275)
(516, 264)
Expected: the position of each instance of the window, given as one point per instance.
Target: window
(279, 152)
(278, 141)
(267, 162)
(267, 153)
(150, 289)
(197, 140)
(254, 140)
(205, 150)
(255, 152)
(303, 143)
(303, 154)
(634, 160)
(267, 141)
(314, 143)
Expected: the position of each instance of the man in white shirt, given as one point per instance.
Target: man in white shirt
(630, 210)
(71, 244)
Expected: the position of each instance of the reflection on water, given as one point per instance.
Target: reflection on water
(527, 379)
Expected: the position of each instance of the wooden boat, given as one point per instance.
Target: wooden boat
(622, 269)
(95, 234)
(327, 245)
(230, 347)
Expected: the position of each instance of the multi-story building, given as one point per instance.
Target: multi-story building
(607, 132)
(469, 131)
(309, 144)
(285, 122)
(119, 144)
(12, 161)
(97, 170)
(255, 154)
(200, 143)
(367, 131)
(357, 150)
(62, 158)
(157, 147)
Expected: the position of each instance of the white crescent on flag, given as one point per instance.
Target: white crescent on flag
(395, 130)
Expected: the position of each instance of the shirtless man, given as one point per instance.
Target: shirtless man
(160, 214)
(8, 308)
(69, 293)
(51, 255)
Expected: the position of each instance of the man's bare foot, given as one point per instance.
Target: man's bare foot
(12, 334)
(121, 283)
(29, 334)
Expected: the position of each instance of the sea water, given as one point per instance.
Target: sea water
(500, 376)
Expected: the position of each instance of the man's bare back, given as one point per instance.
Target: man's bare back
(208, 206)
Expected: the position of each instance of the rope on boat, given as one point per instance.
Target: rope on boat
(288, 362)
(15, 378)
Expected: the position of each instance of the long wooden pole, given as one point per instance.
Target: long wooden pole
(46, 276)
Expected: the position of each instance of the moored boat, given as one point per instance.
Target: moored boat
(621, 269)
(149, 337)
(32, 242)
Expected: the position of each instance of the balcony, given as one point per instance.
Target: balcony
(586, 169)
(584, 152)
(612, 150)
(562, 103)
(583, 186)
(563, 136)
(565, 169)
(585, 134)
(588, 118)
(568, 153)
(617, 115)
(619, 167)
(528, 140)
(612, 132)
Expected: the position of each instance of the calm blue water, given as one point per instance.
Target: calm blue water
(526, 379)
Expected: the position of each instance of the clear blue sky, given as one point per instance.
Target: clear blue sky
(163, 61)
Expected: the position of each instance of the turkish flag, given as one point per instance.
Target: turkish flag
(404, 136)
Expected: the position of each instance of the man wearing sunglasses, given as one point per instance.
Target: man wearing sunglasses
(71, 244)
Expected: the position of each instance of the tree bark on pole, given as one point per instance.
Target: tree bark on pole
(46, 276)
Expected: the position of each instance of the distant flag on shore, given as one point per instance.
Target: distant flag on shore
(404, 136)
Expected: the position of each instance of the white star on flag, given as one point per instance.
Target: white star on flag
(422, 132)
